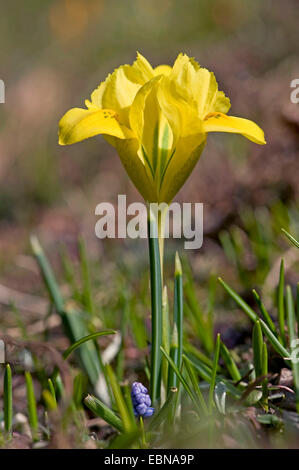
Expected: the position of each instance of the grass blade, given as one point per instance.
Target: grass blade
(174, 350)
(230, 363)
(166, 411)
(83, 340)
(194, 380)
(103, 411)
(31, 403)
(7, 398)
(265, 373)
(52, 391)
(165, 335)
(156, 304)
(253, 317)
(291, 238)
(180, 377)
(126, 417)
(86, 290)
(257, 345)
(293, 340)
(72, 319)
(280, 299)
(214, 372)
(178, 307)
(265, 314)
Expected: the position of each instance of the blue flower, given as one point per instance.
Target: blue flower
(141, 400)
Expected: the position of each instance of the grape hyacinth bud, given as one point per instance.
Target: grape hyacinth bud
(141, 400)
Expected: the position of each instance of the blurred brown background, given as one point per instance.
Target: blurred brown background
(54, 53)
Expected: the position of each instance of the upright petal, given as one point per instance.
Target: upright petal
(120, 88)
(218, 122)
(197, 86)
(152, 129)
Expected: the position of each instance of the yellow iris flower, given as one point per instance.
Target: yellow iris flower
(158, 120)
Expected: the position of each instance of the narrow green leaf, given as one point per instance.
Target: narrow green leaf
(31, 404)
(126, 391)
(253, 317)
(128, 423)
(280, 298)
(86, 290)
(166, 411)
(195, 383)
(257, 345)
(294, 341)
(291, 238)
(176, 354)
(165, 335)
(49, 400)
(72, 319)
(7, 398)
(83, 340)
(230, 363)
(180, 377)
(265, 314)
(265, 372)
(214, 372)
(78, 390)
(52, 391)
(104, 412)
(206, 374)
(172, 378)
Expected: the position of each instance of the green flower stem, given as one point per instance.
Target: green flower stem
(156, 304)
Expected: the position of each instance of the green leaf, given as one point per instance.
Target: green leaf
(265, 314)
(104, 412)
(167, 410)
(253, 317)
(195, 383)
(280, 298)
(83, 340)
(72, 319)
(291, 238)
(165, 335)
(294, 341)
(31, 404)
(257, 344)
(176, 354)
(127, 420)
(214, 372)
(52, 391)
(265, 372)
(7, 397)
(230, 363)
(86, 291)
(180, 377)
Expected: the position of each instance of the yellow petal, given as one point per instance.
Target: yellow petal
(128, 151)
(152, 129)
(218, 122)
(162, 70)
(79, 124)
(197, 86)
(120, 88)
(187, 153)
